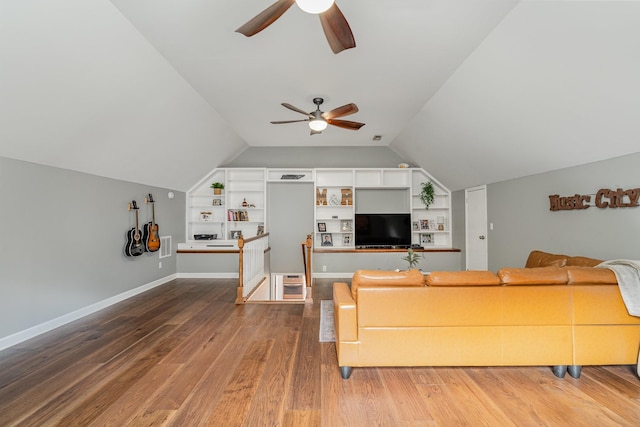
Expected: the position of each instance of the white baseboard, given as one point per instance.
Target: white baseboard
(207, 275)
(49, 325)
(333, 275)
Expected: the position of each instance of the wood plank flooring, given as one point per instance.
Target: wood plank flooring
(184, 354)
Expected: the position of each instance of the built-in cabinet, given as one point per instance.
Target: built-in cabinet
(334, 211)
(238, 209)
(241, 207)
(432, 225)
(335, 214)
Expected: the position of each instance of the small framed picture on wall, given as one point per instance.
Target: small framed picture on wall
(322, 227)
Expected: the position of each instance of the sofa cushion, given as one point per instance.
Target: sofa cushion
(579, 275)
(385, 278)
(582, 261)
(533, 276)
(545, 259)
(462, 278)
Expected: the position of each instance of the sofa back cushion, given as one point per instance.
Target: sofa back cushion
(582, 261)
(545, 259)
(385, 278)
(579, 275)
(462, 278)
(533, 276)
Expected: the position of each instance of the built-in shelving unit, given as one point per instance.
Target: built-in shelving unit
(334, 212)
(241, 208)
(335, 218)
(432, 225)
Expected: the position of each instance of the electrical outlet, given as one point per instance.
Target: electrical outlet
(160, 264)
(324, 268)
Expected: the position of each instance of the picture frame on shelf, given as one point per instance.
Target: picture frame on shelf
(235, 234)
(322, 227)
(346, 240)
(346, 225)
(260, 231)
(326, 239)
(416, 226)
(217, 202)
(424, 224)
(426, 239)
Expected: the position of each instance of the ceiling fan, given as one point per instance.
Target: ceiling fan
(319, 120)
(335, 26)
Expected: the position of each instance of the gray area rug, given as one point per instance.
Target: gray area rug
(327, 331)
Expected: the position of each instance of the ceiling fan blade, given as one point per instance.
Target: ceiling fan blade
(345, 110)
(288, 121)
(296, 109)
(265, 18)
(346, 124)
(337, 30)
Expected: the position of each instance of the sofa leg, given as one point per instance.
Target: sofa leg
(560, 371)
(575, 370)
(345, 371)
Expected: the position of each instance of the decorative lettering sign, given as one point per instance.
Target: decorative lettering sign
(604, 198)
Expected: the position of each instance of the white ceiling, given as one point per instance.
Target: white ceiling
(474, 91)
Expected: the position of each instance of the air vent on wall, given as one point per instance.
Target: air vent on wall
(165, 246)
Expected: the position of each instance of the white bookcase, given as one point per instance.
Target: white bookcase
(335, 218)
(241, 208)
(334, 211)
(431, 226)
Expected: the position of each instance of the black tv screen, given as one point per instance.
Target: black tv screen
(384, 230)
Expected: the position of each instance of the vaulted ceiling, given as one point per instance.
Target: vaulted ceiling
(162, 91)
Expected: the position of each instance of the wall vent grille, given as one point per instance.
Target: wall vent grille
(165, 246)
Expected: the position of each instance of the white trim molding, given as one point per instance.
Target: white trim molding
(49, 325)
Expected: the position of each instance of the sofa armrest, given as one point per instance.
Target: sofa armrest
(344, 313)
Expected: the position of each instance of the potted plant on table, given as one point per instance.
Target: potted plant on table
(217, 187)
(412, 258)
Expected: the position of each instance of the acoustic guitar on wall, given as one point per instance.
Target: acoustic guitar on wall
(134, 245)
(150, 235)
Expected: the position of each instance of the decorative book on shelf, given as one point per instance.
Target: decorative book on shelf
(237, 215)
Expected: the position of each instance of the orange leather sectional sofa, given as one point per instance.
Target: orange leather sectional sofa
(558, 311)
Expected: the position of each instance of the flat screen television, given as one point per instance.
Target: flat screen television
(383, 230)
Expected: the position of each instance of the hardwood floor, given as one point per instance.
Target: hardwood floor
(184, 354)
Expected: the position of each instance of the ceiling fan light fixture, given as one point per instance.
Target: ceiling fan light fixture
(318, 124)
(314, 6)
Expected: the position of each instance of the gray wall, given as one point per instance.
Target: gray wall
(290, 218)
(458, 226)
(62, 237)
(381, 200)
(317, 157)
(519, 210)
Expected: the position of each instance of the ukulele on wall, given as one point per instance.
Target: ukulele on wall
(134, 245)
(150, 233)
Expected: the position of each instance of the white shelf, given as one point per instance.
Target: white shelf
(240, 184)
(250, 184)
